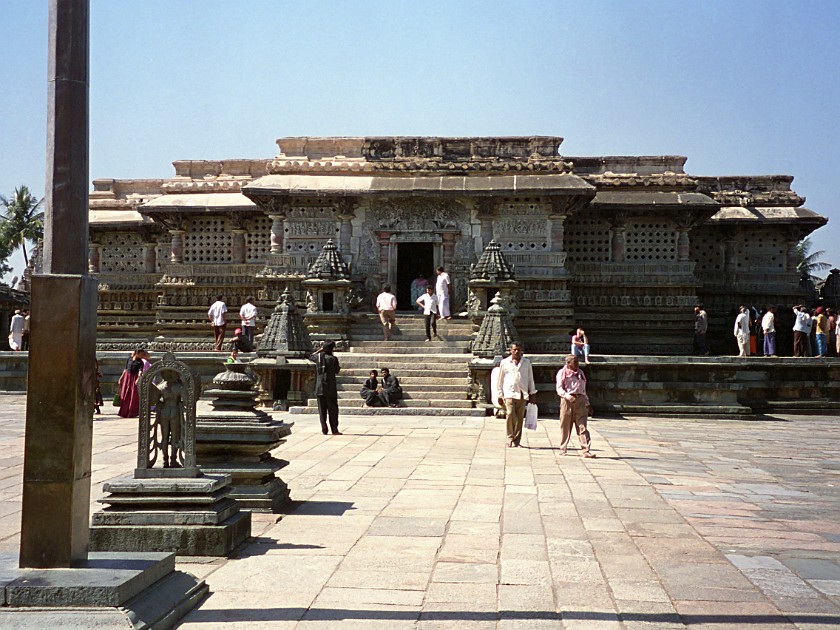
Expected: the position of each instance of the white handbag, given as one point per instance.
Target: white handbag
(531, 417)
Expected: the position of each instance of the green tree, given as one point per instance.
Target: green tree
(808, 263)
(22, 221)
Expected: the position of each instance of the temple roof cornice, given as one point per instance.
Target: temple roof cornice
(444, 185)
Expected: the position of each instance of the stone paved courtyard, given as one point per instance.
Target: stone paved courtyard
(422, 522)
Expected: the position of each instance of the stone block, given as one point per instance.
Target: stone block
(186, 540)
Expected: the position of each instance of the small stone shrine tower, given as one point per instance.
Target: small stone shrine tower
(328, 286)
(282, 362)
(236, 439)
(169, 505)
(489, 276)
(497, 332)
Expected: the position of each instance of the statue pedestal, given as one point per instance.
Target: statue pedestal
(108, 590)
(187, 516)
(236, 439)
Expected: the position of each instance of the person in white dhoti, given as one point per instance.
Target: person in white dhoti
(442, 291)
(16, 331)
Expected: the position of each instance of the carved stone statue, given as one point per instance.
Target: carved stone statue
(167, 399)
(168, 396)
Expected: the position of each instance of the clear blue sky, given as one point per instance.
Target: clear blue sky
(741, 88)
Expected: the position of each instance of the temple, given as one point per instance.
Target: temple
(623, 246)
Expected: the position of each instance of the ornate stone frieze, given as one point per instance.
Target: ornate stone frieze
(231, 184)
(668, 180)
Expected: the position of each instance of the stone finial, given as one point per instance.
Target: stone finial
(497, 331)
(492, 265)
(286, 334)
(329, 265)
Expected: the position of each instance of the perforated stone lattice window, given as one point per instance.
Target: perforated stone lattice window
(760, 251)
(706, 251)
(527, 218)
(257, 239)
(122, 252)
(587, 240)
(650, 242)
(208, 240)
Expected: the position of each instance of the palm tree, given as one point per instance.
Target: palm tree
(21, 222)
(808, 263)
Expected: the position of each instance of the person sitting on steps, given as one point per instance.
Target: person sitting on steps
(391, 393)
(370, 391)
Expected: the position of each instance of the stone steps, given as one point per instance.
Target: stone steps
(423, 348)
(415, 383)
(399, 411)
(420, 394)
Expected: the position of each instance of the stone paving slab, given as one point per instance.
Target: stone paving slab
(429, 522)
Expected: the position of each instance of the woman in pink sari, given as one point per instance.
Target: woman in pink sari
(129, 394)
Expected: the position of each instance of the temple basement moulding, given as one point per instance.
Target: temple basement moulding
(621, 246)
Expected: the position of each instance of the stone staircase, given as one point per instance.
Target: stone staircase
(433, 374)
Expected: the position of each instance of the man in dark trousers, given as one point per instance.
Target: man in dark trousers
(326, 367)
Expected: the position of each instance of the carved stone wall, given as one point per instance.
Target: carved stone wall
(208, 240)
(121, 252)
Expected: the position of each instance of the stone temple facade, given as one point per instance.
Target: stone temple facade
(621, 246)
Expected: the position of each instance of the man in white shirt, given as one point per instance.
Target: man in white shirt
(516, 387)
(386, 304)
(442, 291)
(768, 326)
(428, 302)
(216, 315)
(16, 331)
(248, 315)
(742, 331)
(801, 330)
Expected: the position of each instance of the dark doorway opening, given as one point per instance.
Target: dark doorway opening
(413, 259)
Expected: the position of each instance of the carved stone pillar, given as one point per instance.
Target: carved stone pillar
(384, 254)
(448, 248)
(730, 262)
(683, 245)
(558, 231)
(277, 228)
(94, 251)
(149, 257)
(617, 253)
(176, 247)
(486, 211)
(792, 258)
(238, 247)
(346, 212)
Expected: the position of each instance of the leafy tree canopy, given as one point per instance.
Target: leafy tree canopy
(20, 221)
(808, 263)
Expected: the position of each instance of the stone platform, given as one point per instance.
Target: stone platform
(108, 591)
(430, 523)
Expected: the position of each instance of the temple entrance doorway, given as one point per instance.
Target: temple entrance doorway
(412, 260)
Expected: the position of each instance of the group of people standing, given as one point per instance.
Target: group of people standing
(243, 339)
(516, 388)
(816, 332)
(434, 303)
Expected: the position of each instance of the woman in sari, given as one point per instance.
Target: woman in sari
(129, 394)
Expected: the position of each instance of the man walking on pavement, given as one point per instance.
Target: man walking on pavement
(574, 406)
(326, 390)
(386, 304)
(516, 387)
(216, 315)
